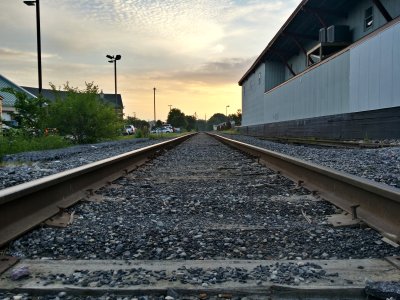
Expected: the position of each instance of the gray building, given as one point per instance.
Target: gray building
(332, 71)
(8, 99)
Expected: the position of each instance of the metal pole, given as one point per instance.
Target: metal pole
(154, 105)
(39, 48)
(115, 79)
(169, 107)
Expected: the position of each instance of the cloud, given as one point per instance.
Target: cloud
(8, 53)
(226, 71)
(188, 49)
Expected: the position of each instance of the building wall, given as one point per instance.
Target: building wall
(321, 91)
(355, 21)
(366, 77)
(274, 74)
(252, 91)
(6, 113)
(356, 16)
(375, 72)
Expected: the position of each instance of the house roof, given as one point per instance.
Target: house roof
(303, 25)
(50, 95)
(9, 99)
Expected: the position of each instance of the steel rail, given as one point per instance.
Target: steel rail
(25, 206)
(376, 204)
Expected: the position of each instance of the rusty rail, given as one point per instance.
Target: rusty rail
(25, 206)
(376, 204)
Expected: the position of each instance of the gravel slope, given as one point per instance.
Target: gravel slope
(23, 167)
(381, 164)
(203, 200)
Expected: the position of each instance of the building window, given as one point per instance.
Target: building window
(259, 78)
(369, 18)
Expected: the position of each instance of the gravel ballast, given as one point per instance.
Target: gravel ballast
(378, 164)
(203, 200)
(23, 167)
(381, 164)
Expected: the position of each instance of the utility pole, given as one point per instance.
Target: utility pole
(155, 120)
(39, 47)
(113, 60)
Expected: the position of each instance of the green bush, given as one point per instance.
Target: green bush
(17, 141)
(139, 134)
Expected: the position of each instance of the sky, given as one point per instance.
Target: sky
(193, 51)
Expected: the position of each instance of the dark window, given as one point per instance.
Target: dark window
(369, 18)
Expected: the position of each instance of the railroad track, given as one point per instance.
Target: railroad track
(202, 210)
(330, 143)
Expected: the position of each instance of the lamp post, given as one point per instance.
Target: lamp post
(113, 59)
(39, 47)
(226, 110)
(154, 89)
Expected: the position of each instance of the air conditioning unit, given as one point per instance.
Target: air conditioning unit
(338, 33)
(322, 35)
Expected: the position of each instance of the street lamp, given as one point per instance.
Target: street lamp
(226, 110)
(113, 59)
(39, 48)
(154, 89)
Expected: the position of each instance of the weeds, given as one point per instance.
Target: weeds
(17, 142)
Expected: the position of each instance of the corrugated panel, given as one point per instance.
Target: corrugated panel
(321, 91)
(252, 100)
(375, 72)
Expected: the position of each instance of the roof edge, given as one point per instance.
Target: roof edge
(277, 35)
(18, 86)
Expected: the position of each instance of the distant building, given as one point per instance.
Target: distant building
(107, 98)
(8, 100)
(331, 71)
(8, 103)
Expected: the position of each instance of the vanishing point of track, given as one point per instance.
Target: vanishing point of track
(26, 206)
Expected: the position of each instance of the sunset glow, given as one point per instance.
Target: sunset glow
(193, 52)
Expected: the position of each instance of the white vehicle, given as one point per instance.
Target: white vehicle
(129, 129)
(166, 129)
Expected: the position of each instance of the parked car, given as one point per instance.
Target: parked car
(154, 130)
(162, 130)
(166, 129)
(129, 129)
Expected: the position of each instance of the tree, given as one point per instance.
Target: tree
(177, 118)
(83, 115)
(141, 124)
(30, 112)
(236, 117)
(202, 125)
(216, 119)
(191, 123)
(158, 123)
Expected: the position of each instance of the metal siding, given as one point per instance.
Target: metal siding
(374, 72)
(396, 68)
(386, 61)
(274, 74)
(321, 91)
(253, 107)
(392, 6)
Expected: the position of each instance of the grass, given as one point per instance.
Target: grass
(231, 131)
(20, 143)
(164, 135)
